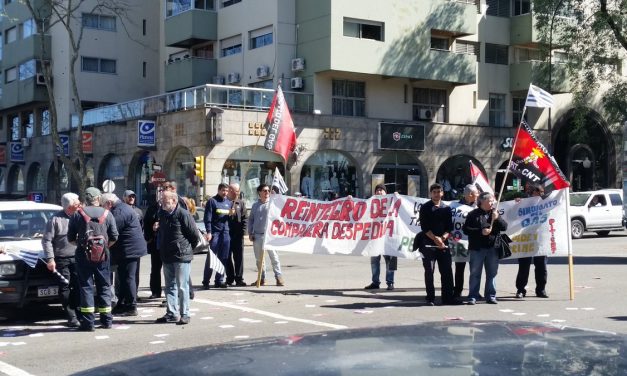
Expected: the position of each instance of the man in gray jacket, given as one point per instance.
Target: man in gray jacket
(59, 255)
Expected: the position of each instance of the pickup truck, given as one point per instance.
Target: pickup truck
(599, 211)
(22, 224)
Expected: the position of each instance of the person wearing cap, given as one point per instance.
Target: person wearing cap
(89, 273)
(375, 261)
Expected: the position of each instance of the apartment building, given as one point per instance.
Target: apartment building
(405, 93)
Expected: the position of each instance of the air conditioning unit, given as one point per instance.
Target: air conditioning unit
(40, 79)
(298, 64)
(263, 71)
(232, 78)
(296, 83)
(426, 114)
(25, 142)
(218, 80)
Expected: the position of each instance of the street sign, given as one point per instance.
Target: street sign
(108, 186)
(158, 178)
(36, 196)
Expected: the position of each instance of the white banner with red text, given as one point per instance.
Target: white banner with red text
(388, 224)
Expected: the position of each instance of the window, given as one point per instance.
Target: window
(260, 37)
(92, 64)
(16, 135)
(496, 54)
(45, 121)
(522, 7)
(615, 199)
(28, 28)
(10, 75)
(363, 29)
(205, 52)
(262, 99)
(560, 57)
(528, 54)
(467, 48)
(349, 98)
(204, 4)
(434, 101)
(29, 125)
(498, 8)
(231, 46)
(497, 110)
(27, 70)
(228, 3)
(517, 109)
(10, 35)
(99, 21)
(439, 43)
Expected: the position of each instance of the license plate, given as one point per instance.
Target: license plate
(42, 292)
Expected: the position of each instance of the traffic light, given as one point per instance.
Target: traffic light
(199, 167)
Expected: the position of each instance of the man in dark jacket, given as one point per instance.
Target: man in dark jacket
(216, 221)
(150, 235)
(125, 253)
(237, 229)
(92, 273)
(482, 225)
(178, 236)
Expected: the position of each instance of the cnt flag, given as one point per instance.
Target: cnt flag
(537, 97)
(278, 182)
(29, 257)
(479, 179)
(281, 138)
(532, 161)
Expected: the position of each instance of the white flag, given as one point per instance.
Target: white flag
(278, 181)
(537, 97)
(479, 179)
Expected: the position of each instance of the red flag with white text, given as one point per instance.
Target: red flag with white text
(532, 161)
(281, 137)
(479, 179)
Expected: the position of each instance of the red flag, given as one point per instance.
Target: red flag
(479, 179)
(532, 161)
(281, 138)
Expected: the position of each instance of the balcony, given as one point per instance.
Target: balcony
(524, 73)
(524, 30)
(25, 49)
(188, 72)
(191, 27)
(458, 18)
(445, 66)
(17, 93)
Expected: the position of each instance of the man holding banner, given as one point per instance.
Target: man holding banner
(375, 261)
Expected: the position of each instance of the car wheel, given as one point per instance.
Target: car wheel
(603, 233)
(576, 228)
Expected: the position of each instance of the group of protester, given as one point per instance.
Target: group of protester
(482, 226)
(167, 231)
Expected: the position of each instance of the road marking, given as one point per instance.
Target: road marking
(270, 314)
(10, 370)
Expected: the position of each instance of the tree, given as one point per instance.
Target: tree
(66, 16)
(593, 35)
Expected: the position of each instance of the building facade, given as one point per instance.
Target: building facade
(404, 94)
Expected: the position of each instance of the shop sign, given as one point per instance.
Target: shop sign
(158, 178)
(17, 152)
(36, 197)
(3, 154)
(65, 145)
(508, 143)
(401, 136)
(146, 133)
(88, 142)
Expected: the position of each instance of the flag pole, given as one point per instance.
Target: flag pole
(511, 156)
(571, 272)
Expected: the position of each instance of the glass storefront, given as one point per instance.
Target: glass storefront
(250, 166)
(328, 174)
(143, 171)
(401, 174)
(454, 174)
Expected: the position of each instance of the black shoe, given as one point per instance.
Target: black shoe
(230, 282)
(220, 285)
(457, 294)
(205, 286)
(430, 303)
(372, 286)
(119, 310)
(129, 312)
(541, 294)
(166, 318)
(154, 296)
(191, 294)
(106, 326)
(86, 328)
(491, 301)
(390, 286)
(73, 323)
(240, 283)
(521, 294)
(183, 321)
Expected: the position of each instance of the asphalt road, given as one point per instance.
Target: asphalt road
(322, 293)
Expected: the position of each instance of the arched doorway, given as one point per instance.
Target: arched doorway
(112, 168)
(180, 168)
(328, 173)
(36, 178)
(574, 141)
(250, 166)
(140, 173)
(402, 173)
(16, 179)
(3, 180)
(454, 174)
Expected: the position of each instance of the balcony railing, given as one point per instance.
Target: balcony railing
(233, 97)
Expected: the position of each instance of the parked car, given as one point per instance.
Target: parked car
(599, 211)
(22, 224)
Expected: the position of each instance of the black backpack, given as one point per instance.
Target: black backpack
(95, 239)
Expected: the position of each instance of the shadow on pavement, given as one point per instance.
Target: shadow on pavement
(580, 260)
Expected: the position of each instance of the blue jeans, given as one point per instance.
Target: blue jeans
(177, 288)
(375, 265)
(479, 258)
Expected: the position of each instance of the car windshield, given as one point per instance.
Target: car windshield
(23, 224)
(579, 199)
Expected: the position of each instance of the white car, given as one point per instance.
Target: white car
(599, 211)
(22, 224)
